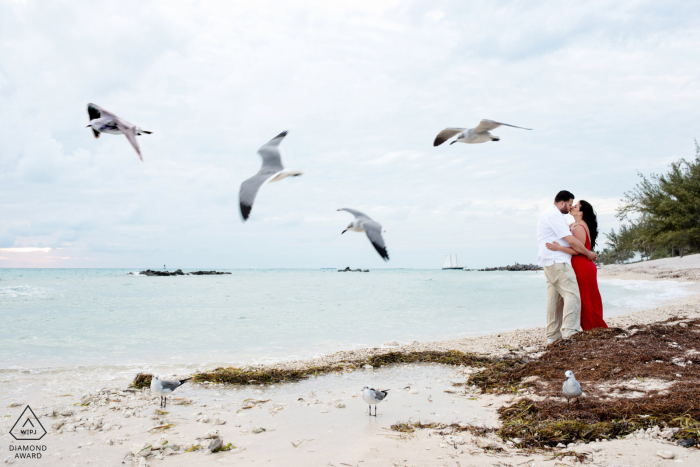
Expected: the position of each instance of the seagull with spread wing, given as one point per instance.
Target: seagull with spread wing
(272, 170)
(373, 229)
(104, 121)
(480, 134)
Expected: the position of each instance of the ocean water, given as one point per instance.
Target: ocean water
(55, 319)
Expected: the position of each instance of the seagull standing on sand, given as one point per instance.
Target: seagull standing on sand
(571, 387)
(103, 121)
(373, 397)
(373, 229)
(272, 170)
(164, 388)
(480, 134)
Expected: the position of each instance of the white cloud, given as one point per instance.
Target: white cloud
(25, 250)
(363, 88)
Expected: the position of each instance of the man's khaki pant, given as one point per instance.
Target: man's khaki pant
(563, 302)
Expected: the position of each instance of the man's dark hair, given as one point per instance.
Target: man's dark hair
(563, 195)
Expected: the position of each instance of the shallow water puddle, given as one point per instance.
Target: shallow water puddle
(307, 419)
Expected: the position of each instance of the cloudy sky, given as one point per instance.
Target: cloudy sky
(610, 88)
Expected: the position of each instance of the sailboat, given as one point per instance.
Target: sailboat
(448, 263)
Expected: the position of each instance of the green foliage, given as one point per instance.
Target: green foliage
(661, 215)
(621, 246)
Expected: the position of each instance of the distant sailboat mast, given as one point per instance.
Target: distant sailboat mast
(448, 263)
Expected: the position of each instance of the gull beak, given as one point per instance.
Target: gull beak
(341, 233)
(87, 126)
(453, 142)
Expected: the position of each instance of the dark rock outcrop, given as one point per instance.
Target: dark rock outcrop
(347, 269)
(515, 267)
(207, 273)
(149, 272)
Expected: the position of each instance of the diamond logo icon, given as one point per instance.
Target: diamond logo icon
(28, 427)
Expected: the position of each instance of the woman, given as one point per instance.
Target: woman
(585, 229)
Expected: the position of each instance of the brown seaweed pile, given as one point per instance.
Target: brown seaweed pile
(267, 375)
(644, 376)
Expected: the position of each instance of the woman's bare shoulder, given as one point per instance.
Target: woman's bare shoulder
(583, 225)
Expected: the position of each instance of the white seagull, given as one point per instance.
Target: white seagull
(164, 388)
(480, 134)
(373, 397)
(272, 170)
(373, 229)
(571, 387)
(104, 121)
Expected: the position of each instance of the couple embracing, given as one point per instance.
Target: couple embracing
(573, 298)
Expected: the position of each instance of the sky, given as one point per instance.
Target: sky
(610, 88)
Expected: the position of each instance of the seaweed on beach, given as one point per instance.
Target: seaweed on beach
(452, 357)
(646, 376)
(142, 380)
(247, 376)
(441, 428)
(266, 375)
(544, 423)
(660, 351)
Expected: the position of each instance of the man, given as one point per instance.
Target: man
(563, 299)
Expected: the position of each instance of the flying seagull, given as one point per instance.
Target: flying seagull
(163, 388)
(373, 397)
(104, 121)
(272, 170)
(373, 229)
(480, 134)
(571, 387)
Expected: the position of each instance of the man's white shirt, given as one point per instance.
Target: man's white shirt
(552, 227)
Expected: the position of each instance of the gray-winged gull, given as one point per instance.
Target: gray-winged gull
(571, 387)
(373, 229)
(104, 121)
(480, 134)
(272, 170)
(373, 397)
(164, 388)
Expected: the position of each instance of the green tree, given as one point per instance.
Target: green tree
(663, 211)
(620, 247)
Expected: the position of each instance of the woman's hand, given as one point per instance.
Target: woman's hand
(554, 246)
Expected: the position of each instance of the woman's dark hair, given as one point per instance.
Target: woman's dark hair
(590, 218)
(563, 195)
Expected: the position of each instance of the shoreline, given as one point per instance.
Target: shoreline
(490, 344)
(497, 344)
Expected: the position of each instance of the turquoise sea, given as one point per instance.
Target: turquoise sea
(69, 318)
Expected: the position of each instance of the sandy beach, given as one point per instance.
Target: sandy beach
(323, 420)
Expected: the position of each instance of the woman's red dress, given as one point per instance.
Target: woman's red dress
(587, 278)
